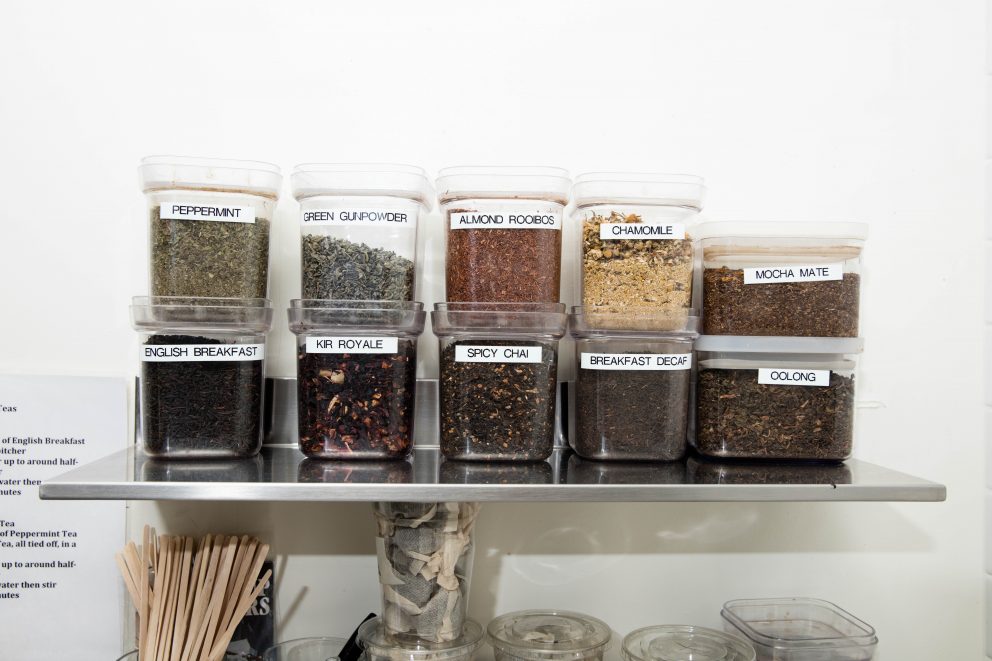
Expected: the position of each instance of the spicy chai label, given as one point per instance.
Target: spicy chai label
(468, 353)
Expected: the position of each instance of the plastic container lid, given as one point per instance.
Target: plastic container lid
(154, 313)
(784, 229)
(306, 649)
(378, 642)
(634, 323)
(388, 179)
(685, 643)
(528, 182)
(191, 172)
(789, 626)
(500, 319)
(400, 317)
(548, 634)
(651, 188)
(778, 344)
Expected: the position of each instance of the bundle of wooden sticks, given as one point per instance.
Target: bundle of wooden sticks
(190, 597)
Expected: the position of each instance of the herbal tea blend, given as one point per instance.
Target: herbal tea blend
(335, 268)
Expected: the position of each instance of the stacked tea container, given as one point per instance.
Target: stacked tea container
(776, 362)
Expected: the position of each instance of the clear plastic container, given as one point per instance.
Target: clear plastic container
(800, 630)
(425, 553)
(498, 372)
(380, 645)
(711, 471)
(782, 279)
(202, 375)
(208, 228)
(354, 472)
(685, 643)
(356, 375)
(496, 472)
(775, 397)
(548, 635)
(358, 223)
(632, 391)
(502, 228)
(585, 471)
(635, 235)
(306, 649)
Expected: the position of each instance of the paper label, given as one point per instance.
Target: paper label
(199, 211)
(358, 217)
(352, 345)
(506, 219)
(199, 353)
(794, 273)
(641, 231)
(468, 353)
(793, 377)
(635, 361)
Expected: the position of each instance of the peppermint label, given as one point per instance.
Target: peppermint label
(467, 353)
(635, 361)
(198, 353)
(641, 231)
(352, 345)
(506, 220)
(358, 217)
(793, 273)
(200, 211)
(781, 376)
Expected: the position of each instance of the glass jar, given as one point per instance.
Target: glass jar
(502, 228)
(684, 642)
(498, 371)
(775, 397)
(631, 390)
(202, 375)
(425, 553)
(356, 376)
(635, 235)
(782, 279)
(358, 224)
(208, 230)
(548, 635)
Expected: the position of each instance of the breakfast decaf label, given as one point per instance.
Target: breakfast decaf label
(635, 361)
(357, 217)
(339, 344)
(641, 231)
(470, 353)
(199, 211)
(187, 353)
(793, 377)
(794, 273)
(506, 218)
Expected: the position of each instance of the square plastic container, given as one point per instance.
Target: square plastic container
(202, 375)
(498, 372)
(775, 397)
(635, 234)
(782, 279)
(358, 224)
(356, 374)
(548, 635)
(208, 225)
(631, 391)
(800, 630)
(502, 228)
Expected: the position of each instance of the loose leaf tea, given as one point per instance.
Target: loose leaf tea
(503, 265)
(738, 417)
(622, 274)
(496, 411)
(357, 406)
(335, 268)
(808, 309)
(202, 408)
(631, 415)
(208, 258)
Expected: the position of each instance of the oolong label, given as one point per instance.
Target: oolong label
(506, 219)
(794, 273)
(635, 361)
(793, 377)
(641, 231)
(469, 353)
(352, 345)
(198, 353)
(199, 211)
(358, 217)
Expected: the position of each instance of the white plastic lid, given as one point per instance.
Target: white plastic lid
(539, 635)
(778, 344)
(191, 172)
(784, 229)
(378, 642)
(529, 182)
(685, 643)
(387, 179)
(651, 188)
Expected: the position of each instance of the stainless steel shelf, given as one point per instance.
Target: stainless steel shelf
(282, 473)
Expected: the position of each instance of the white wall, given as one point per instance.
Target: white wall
(869, 110)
